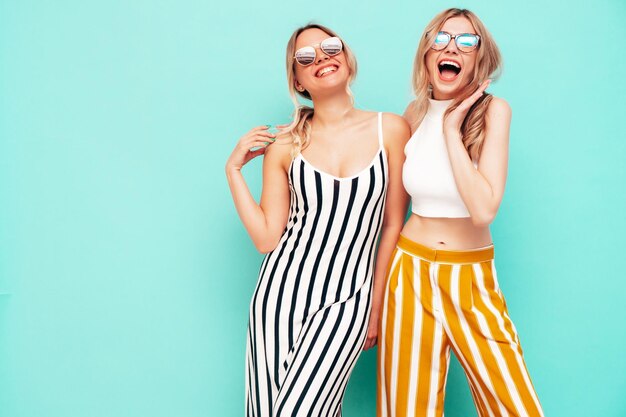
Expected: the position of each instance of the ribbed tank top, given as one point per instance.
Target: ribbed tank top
(427, 173)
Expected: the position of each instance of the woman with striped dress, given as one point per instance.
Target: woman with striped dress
(331, 187)
(442, 293)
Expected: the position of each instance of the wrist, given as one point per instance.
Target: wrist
(375, 313)
(453, 135)
(231, 169)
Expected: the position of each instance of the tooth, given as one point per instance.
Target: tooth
(325, 70)
(454, 64)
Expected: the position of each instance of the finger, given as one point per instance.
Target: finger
(257, 137)
(264, 134)
(262, 139)
(250, 133)
(256, 130)
(481, 90)
(254, 154)
(250, 146)
(468, 102)
(261, 127)
(258, 144)
(369, 343)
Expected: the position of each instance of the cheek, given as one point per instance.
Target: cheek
(299, 73)
(343, 63)
(431, 65)
(470, 64)
(429, 59)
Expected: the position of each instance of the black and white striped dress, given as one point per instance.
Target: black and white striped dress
(310, 310)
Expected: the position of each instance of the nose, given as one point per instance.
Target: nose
(451, 47)
(320, 56)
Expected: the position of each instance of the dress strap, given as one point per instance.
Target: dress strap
(380, 129)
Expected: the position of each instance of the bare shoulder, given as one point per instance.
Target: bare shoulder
(365, 117)
(279, 152)
(499, 108)
(396, 130)
(498, 123)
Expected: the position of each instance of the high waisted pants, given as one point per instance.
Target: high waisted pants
(437, 300)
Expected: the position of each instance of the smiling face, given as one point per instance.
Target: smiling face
(450, 70)
(326, 74)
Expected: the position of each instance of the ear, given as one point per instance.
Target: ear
(298, 86)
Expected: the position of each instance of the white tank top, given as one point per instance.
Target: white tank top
(427, 173)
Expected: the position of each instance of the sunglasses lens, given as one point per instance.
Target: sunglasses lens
(441, 41)
(466, 42)
(305, 56)
(331, 46)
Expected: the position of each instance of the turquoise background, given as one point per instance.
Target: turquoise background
(125, 274)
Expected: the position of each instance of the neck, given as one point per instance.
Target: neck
(331, 110)
(437, 95)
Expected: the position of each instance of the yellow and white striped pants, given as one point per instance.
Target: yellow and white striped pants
(436, 300)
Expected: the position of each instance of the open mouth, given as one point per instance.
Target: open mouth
(326, 71)
(449, 70)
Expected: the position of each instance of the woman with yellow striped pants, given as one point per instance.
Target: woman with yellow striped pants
(442, 291)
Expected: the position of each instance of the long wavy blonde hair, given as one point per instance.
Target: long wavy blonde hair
(488, 65)
(300, 128)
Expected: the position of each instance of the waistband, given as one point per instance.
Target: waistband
(445, 256)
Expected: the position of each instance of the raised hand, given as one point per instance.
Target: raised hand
(452, 123)
(258, 138)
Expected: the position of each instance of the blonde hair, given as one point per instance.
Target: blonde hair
(300, 127)
(488, 64)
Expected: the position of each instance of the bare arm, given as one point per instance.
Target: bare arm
(396, 133)
(266, 221)
(482, 189)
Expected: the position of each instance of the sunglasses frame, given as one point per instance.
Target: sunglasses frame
(452, 37)
(315, 47)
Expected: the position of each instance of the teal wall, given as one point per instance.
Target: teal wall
(125, 274)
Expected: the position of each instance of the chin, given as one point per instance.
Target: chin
(444, 92)
(332, 89)
(334, 82)
(449, 90)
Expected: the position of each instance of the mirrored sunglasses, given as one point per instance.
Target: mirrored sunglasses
(465, 42)
(306, 55)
